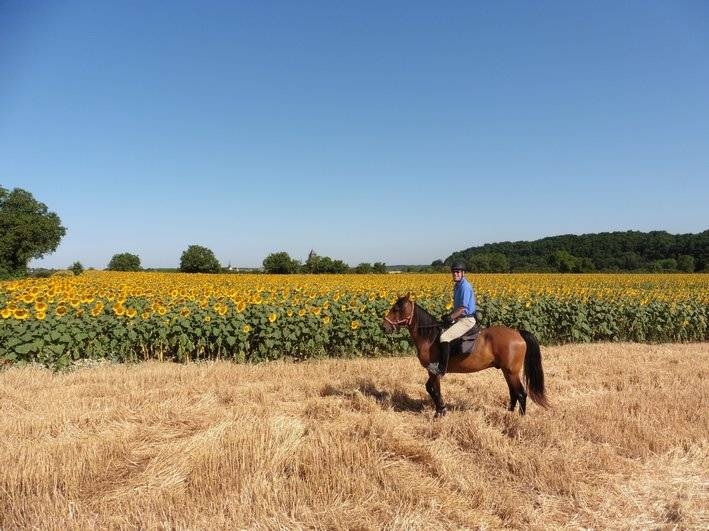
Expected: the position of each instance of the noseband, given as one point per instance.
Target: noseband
(407, 320)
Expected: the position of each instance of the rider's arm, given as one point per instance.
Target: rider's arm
(456, 313)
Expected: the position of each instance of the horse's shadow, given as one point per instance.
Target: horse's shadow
(396, 400)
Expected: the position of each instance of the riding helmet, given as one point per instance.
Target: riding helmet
(458, 265)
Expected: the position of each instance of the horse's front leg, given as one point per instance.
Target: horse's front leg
(433, 386)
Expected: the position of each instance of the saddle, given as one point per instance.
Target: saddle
(466, 343)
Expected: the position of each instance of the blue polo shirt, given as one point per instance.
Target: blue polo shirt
(463, 295)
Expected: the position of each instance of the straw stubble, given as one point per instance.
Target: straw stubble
(351, 444)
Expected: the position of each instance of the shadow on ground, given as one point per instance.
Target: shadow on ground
(396, 400)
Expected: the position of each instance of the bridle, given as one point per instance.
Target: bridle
(406, 320)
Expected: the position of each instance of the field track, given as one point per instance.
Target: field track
(351, 444)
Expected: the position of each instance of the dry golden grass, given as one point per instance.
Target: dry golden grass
(352, 445)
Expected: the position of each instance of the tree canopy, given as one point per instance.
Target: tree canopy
(280, 263)
(124, 262)
(606, 251)
(28, 230)
(198, 259)
(77, 268)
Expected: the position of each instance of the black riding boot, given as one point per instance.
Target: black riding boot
(441, 367)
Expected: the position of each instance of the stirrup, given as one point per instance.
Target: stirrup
(434, 368)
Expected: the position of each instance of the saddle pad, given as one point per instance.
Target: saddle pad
(468, 342)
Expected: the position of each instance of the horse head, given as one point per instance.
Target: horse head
(400, 314)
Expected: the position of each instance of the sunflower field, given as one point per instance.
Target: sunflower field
(183, 317)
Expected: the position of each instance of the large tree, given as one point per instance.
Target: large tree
(280, 263)
(124, 262)
(198, 259)
(27, 230)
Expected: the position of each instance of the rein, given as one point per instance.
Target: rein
(408, 320)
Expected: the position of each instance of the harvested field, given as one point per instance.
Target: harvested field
(352, 444)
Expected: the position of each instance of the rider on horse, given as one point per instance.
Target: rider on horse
(459, 320)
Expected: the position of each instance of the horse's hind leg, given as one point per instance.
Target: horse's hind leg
(433, 386)
(513, 393)
(517, 392)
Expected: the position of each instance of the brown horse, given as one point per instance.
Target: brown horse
(498, 346)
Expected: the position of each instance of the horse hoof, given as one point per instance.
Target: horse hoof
(440, 413)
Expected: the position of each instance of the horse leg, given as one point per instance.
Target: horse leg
(433, 386)
(513, 393)
(517, 392)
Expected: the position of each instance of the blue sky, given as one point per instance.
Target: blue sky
(368, 131)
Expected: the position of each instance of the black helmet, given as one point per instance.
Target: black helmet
(458, 265)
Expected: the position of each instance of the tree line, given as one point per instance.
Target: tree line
(282, 263)
(199, 259)
(631, 251)
(28, 230)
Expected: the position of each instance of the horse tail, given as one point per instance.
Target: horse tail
(533, 372)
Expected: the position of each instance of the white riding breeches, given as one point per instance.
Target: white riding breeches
(460, 327)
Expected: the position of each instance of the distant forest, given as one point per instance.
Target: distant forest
(656, 251)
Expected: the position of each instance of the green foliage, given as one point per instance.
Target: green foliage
(379, 267)
(363, 268)
(124, 262)
(486, 262)
(77, 268)
(366, 268)
(198, 259)
(685, 263)
(349, 325)
(323, 264)
(27, 230)
(608, 251)
(280, 263)
(40, 272)
(564, 262)
(665, 265)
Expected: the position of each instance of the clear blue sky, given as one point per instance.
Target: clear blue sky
(368, 131)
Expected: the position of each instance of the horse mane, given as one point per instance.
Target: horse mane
(428, 326)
